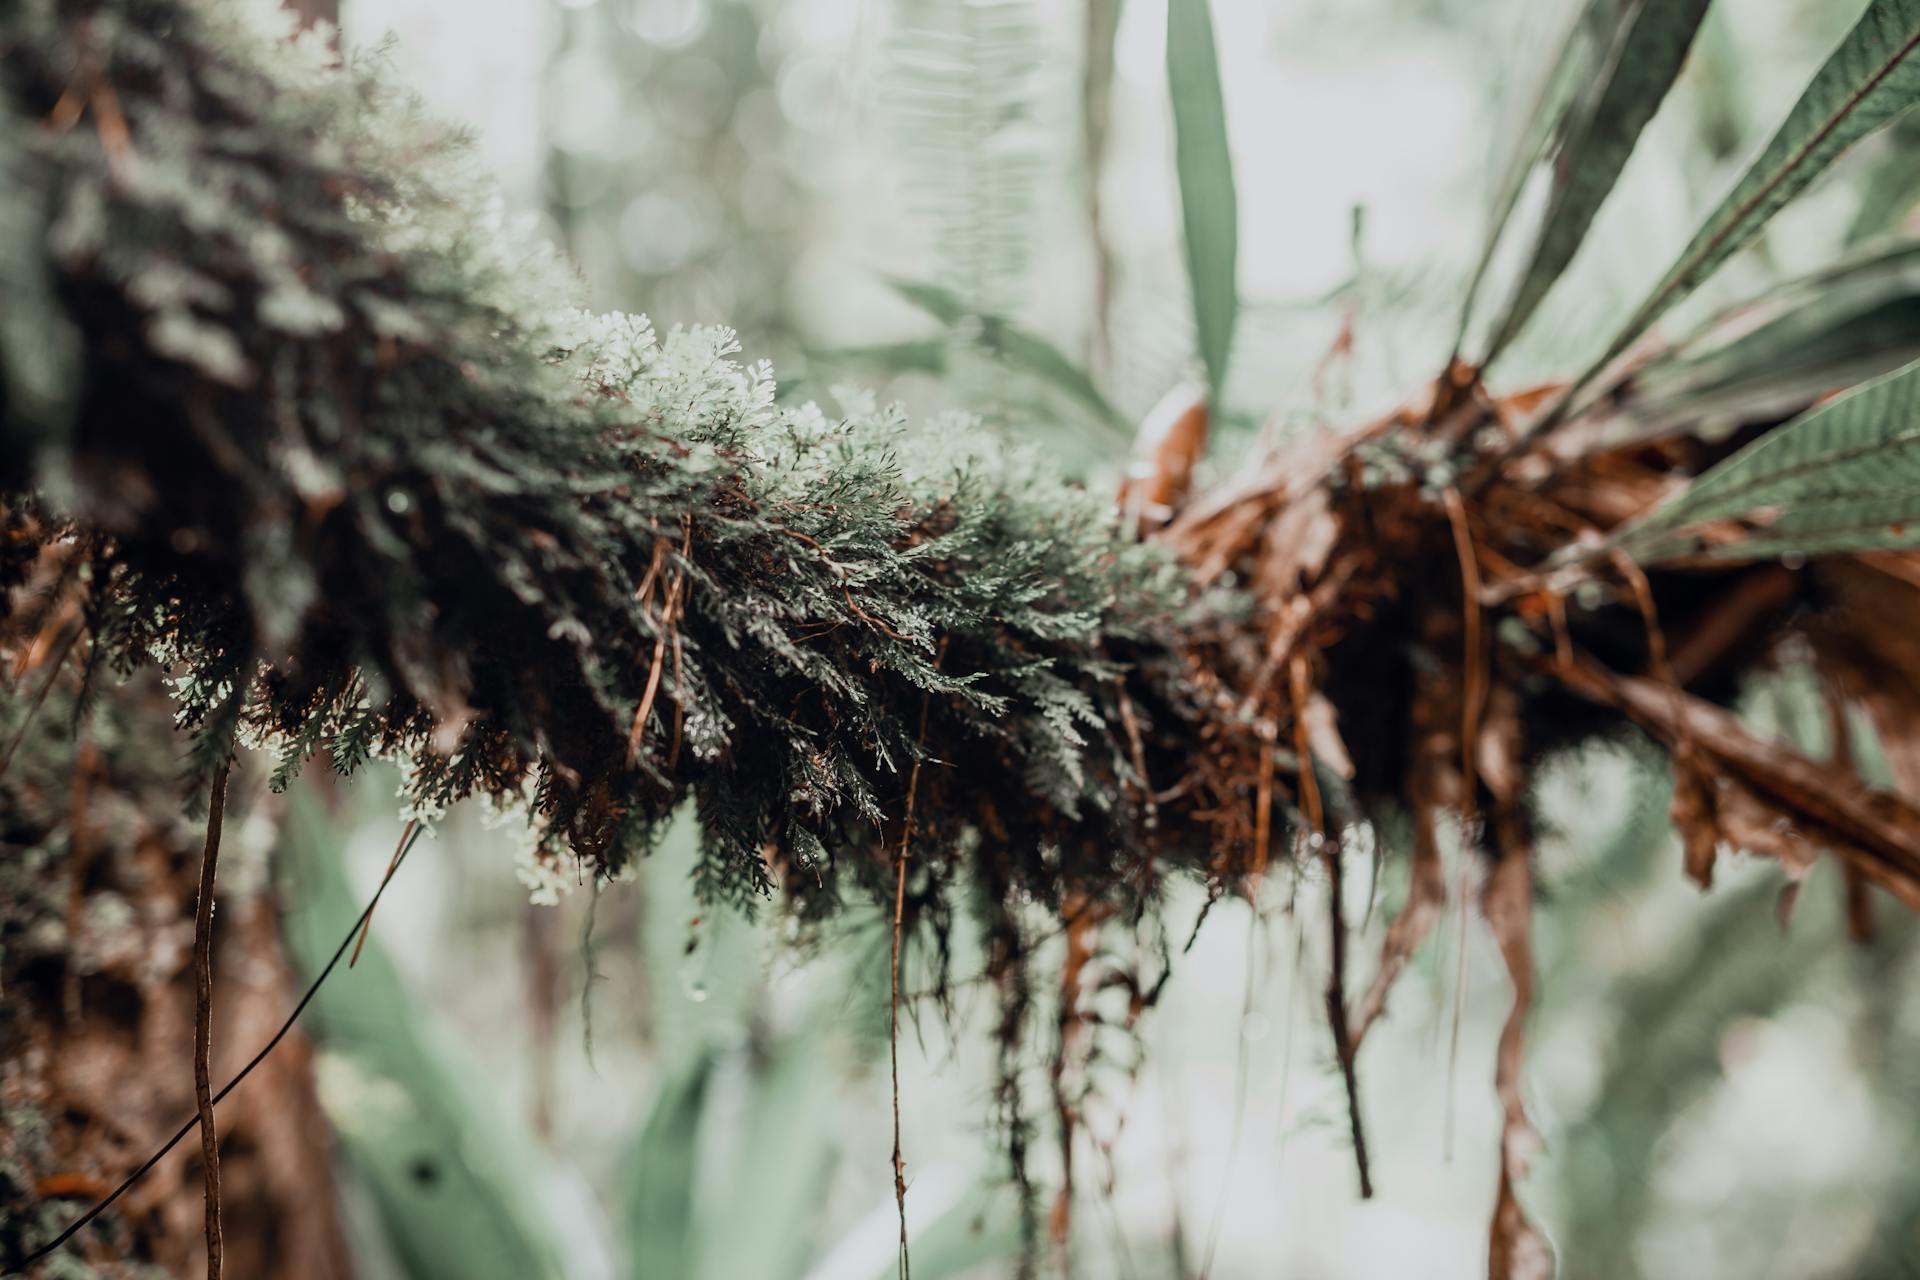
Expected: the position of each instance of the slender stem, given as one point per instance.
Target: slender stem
(893, 1003)
(893, 1047)
(39, 699)
(203, 1018)
(1337, 1016)
(1096, 92)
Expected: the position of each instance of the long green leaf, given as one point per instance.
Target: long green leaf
(662, 1176)
(463, 1190)
(1646, 43)
(1843, 477)
(1020, 348)
(1579, 51)
(778, 1171)
(1208, 206)
(1892, 185)
(1775, 355)
(750, 1206)
(1868, 80)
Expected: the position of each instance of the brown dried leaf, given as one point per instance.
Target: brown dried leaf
(1323, 735)
(1692, 816)
(1868, 643)
(1765, 796)
(1296, 545)
(1171, 440)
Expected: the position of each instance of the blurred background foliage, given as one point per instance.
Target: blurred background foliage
(971, 203)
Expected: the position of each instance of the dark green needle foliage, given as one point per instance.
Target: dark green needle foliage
(332, 448)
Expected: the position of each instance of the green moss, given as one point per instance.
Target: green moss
(343, 460)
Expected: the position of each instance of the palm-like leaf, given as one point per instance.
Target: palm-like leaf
(1868, 80)
(1780, 353)
(1844, 477)
(663, 1174)
(1638, 47)
(462, 1190)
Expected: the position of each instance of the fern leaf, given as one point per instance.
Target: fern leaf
(964, 88)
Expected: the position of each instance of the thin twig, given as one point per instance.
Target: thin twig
(1460, 974)
(53, 674)
(127, 1184)
(1263, 802)
(1470, 606)
(399, 851)
(893, 1003)
(666, 627)
(1337, 1016)
(1336, 976)
(893, 1044)
(203, 1018)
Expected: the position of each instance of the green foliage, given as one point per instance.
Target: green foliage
(1844, 324)
(1891, 186)
(1020, 348)
(343, 460)
(728, 1171)
(457, 1180)
(665, 1165)
(1635, 49)
(1209, 210)
(1870, 79)
(1843, 477)
(394, 497)
(774, 1172)
(963, 94)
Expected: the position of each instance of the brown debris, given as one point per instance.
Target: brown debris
(1435, 605)
(1427, 889)
(1081, 919)
(1170, 443)
(1516, 1249)
(1768, 798)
